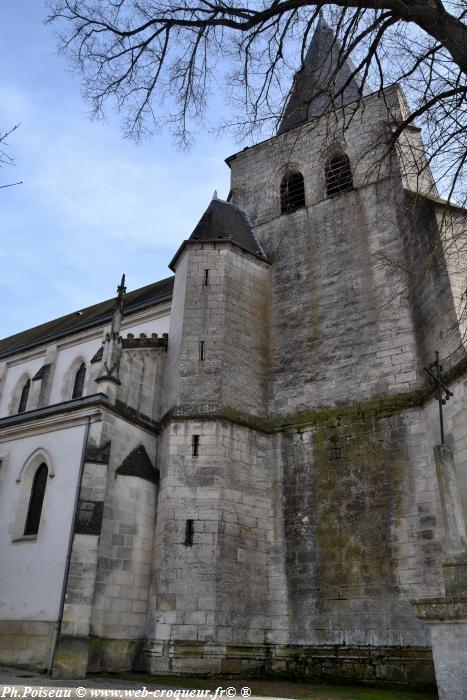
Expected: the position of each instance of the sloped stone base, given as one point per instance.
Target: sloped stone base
(113, 654)
(391, 666)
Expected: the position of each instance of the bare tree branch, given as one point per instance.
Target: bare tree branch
(5, 158)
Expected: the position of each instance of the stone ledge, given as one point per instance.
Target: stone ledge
(446, 609)
(377, 408)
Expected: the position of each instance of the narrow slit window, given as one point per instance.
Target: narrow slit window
(23, 401)
(78, 385)
(195, 445)
(36, 501)
(189, 532)
(338, 175)
(206, 278)
(202, 349)
(292, 192)
(334, 454)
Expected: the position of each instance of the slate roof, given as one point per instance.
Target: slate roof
(319, 81)
(137, 463)
(223, 221)
(81, 320)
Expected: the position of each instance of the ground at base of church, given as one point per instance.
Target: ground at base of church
(285, 689)
(272, 689)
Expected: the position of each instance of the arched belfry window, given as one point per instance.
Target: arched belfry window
(23, 400)
(338, 174)
(292, 192)
(78, 385)
(36, 500)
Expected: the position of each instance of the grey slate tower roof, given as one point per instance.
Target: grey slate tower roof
(223, 221)
(319, 82)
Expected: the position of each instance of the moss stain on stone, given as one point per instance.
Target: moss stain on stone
(347, 482)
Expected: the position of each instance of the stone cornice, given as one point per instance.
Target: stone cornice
(50, 418)
(443, 609)
(379, 407)
(69, 414)
(319, 417)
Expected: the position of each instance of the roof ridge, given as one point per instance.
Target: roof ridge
(84, 318)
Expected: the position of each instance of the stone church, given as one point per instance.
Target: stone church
(237, 469)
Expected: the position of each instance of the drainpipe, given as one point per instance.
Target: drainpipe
(58, 624)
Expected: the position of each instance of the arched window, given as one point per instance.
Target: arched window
(36, 500)
(292, 192)
(79, 382)
(23, 401)
(338, 174)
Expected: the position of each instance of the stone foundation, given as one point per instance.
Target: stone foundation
(390, 666)
(71, 657)
(25, 643)
(28, 644)
(113, 654)
(447, 619)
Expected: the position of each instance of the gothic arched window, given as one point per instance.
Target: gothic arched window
(79, 381)
(292, 192)
(338, 174)
(36, 500)
(23, 401)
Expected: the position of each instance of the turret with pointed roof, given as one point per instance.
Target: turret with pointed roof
(324, 80)
(222, 222)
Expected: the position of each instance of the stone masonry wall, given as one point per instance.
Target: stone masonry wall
(215, 591)
(341, 325)
(362, 530)
(437, 276)
(141, 376)
(229, 315)
(124, 555)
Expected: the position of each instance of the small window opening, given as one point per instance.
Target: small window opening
(89, 517)
(334, 454)
(23, 401)
(37, 499)
(189, 532)
(195, 445)
(292, 192)
(78, 385)
(338, 175)
(206, 278)
(201, 349)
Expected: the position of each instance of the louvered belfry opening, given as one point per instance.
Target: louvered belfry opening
(338, 175)
(292, 192)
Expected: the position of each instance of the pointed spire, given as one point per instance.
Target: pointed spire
(319, 85)
(121, 289)
(214, 196)
(117, 314)
(112, 345)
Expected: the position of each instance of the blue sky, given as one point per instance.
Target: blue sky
(92, 204)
